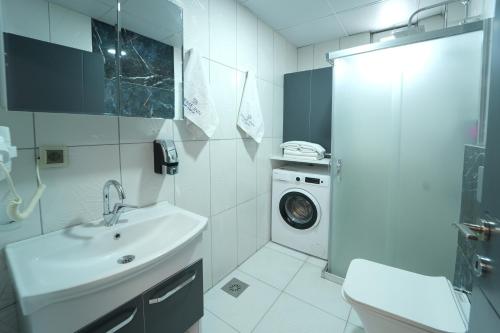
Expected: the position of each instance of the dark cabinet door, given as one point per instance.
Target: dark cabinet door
(128, 318)
(307, 108)
(297, 106)
(321, 107)
(177, 303)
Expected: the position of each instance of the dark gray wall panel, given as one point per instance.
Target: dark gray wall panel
(308, 107)
(93, 83)
(321, 107)
(297, 98)
(42, 76)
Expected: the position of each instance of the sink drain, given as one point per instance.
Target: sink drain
(126, 259)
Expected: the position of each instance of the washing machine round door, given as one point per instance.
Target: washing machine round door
(299, 209)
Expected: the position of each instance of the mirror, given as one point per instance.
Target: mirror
(104, 57)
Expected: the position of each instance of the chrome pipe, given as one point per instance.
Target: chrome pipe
(444, 3)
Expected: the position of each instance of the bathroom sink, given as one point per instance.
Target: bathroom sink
(91, 257)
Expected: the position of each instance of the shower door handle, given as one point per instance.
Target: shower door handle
(472, 231)
(338, 166)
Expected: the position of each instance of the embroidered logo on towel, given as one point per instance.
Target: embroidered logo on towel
(192, 106)
(248, 120)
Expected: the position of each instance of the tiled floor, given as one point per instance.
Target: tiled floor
(286, 294)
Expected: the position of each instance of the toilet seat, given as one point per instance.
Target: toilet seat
(423, 301)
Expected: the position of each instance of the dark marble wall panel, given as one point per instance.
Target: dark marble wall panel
(147, 62)
(469, 213)
(147, 86)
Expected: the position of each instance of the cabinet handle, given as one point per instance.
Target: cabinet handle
(173, 291)
(123, 323)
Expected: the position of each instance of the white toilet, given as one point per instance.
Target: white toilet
(391, 300)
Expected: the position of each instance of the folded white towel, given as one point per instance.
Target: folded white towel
(303, 154)
(199, 107)
(303, 146)
(250, 118)
(307, 158)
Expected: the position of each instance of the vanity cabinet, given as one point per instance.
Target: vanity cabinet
(172, 306)
(177, 303)
(128, 318)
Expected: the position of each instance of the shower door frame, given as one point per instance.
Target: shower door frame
(482, 25)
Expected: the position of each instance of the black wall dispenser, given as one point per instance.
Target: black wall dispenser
(166, 160)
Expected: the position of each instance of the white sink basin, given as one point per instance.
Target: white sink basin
(84, 259)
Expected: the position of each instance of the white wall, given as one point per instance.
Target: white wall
(314, 56)
(227, 178)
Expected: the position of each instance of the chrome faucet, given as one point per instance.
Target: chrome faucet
(112, 216)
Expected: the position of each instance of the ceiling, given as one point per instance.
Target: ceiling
(305, 22)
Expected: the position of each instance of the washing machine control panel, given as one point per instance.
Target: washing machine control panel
(303, 178)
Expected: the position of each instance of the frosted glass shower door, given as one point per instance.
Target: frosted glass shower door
(401, 119)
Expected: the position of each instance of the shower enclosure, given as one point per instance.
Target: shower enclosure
(402, 112)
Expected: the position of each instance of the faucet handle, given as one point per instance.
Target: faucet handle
(120, 206)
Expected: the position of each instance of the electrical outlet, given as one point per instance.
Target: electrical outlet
(53, 156)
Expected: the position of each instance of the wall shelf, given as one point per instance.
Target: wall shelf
(324, 161)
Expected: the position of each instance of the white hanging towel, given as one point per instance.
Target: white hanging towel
(250, 116)
(199, 107)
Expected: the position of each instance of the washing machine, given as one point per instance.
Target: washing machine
(301, 209)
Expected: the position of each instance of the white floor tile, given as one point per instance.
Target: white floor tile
(353, 329)
(212, 324)
(354, 318)
(310, 287)
(316, 261)
(286, 250)
(272, 267)
(289, 315)
(244, 312)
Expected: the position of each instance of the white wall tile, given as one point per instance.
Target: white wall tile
(247, 229)
(222, 17)
(263, 219)
(276, 150)
(223, 174)
(246, 170)
(278, 112)
(192, 182)
(266, 93)
(305, 57)
(21, 127)
(29, 18)
(24, 176)
(139, 130)
(320, 51)
(70, 28)
(196, 28)
(141, 184)
(75, 130)
(224, 244)
(264, 166)
(246, 41)
(279, 59)
(265, 52)
(74, 193)
(223, 82)
(291, 58)
(355, 40)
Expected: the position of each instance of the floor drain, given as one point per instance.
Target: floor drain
(235, 287)
(126, 259)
